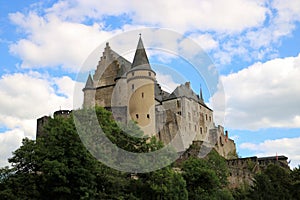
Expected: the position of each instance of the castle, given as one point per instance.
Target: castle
(131, 92)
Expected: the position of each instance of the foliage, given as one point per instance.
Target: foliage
(205, 181)
(58, 166)
(273, 183)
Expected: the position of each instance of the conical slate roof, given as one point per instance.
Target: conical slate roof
(89, 82)
(140, 60)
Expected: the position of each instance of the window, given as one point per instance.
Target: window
(148, 116)
(149, 73)
(179, 113)
(178, 104)
(137, 116)
(210, 118)
(201, 130)
(142, 94)
(206, 116)
(132, 73)
(132, 86)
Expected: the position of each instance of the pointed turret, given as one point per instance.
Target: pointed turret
(89, 83)
(140, 60)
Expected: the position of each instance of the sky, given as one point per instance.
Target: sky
(254, 45)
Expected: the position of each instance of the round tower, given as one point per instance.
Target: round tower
(140, 86)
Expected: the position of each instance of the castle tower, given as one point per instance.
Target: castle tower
(140, 83)
(89, 93)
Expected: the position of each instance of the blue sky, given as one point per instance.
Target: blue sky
(255, 45)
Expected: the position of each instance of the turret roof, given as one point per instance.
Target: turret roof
(140, 60)
(89, 82)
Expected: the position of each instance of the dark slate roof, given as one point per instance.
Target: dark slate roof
(184, 90)
(273, 158)
(140, 60)
(160, 94)
(89, 82)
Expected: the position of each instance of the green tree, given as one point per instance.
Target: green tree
(161, 184)
(295, 188)
(272, 183)
(58, 166)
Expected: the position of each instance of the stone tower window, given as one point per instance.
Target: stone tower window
(132, 86)
(148, 116)
(149, 73)
(201, 130)
(132, 73)
(137, 116)
(142, 94)
(178, 104)
(206, 117)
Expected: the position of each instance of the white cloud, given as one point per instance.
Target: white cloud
(206, 41)
(52, 42)
(26, 97)
(284, 146)
(184, 16)
(69, 30)
(9, 142)
(166, 82)
(264, 95)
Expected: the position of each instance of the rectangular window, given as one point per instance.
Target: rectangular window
(148, 116)
(137, 116)
(149, 73)
(178, 104)
(132, 86)
(201, 130)
(132, 73)
(142, 94)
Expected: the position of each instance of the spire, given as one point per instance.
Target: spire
(201, 96)
(140, 58)
(89, 82)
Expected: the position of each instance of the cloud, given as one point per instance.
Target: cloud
(284, 146)
(50, 42)
(166, 81)
(26, 97)
(214, 15)
(9, 142)
(206, 41)
(263, 95)
(65, 33)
